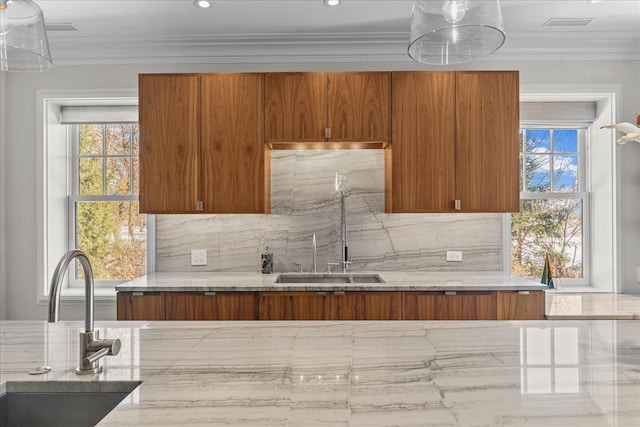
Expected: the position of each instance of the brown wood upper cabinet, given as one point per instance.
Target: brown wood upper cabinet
(202, 140)
(455, 142)
(340, 108)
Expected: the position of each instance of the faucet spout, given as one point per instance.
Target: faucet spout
(56, 281)
(92, 349)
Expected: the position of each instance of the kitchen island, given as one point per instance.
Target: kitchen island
(560, 373)
(401, 296)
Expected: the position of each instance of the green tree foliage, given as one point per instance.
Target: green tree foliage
(112, 233)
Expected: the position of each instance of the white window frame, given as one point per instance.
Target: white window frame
(53, 180)
(74, 197)
(583, 194)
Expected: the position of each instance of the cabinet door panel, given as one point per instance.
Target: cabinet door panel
(234, 174)
(488, 112)
(366, 306)
(516, 306)
(418, 306)
(466, 306)
(169, 140)
(230, 306)
(295, 107)
(183, 306)
(148, 306)
(360, 106)
(421, 169)
(294, 306)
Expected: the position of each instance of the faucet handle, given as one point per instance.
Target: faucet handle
(346, 265)
(299, 267)
(332, 264)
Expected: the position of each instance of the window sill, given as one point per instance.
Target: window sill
(100, 295)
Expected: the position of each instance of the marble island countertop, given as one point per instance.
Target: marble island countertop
(536, 373)
(394, 281)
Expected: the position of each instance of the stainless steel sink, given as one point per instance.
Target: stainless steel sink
(61, 403)
(328, 278)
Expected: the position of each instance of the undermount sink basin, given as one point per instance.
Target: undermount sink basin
(328, 278)
(61, 403)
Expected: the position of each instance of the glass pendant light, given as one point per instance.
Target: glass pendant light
(455, 31)
(23, 38)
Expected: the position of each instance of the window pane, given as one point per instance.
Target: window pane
(118, 139)
(537, 173)
(547, 227)
(136, 176)
(113, 235)
(565, 141)
(118, 175)
(90, 140)
(90, 176)
(538, 140)
(565, 173)
(135, 135)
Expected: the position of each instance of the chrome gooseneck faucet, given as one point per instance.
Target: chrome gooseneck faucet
(344, 261)
(92, 349)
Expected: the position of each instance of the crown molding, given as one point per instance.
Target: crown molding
(326, 47)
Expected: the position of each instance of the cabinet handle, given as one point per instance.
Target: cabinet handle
(209, 293)
(523, 292)
(338, 293)
(327, 133)
(200, 206)
(457, 205)
(137, 294)
(450, 293)
(321, 293)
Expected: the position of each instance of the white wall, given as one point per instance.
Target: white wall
(20, 160)
(3, 240)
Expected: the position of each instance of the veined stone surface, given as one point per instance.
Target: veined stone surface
(304, 201)
(475, 374)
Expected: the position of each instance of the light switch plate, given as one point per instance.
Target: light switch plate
(454, 256)
(198, 257)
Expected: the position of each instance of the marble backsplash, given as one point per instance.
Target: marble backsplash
(304, 201)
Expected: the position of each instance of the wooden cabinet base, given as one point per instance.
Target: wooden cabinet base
(350, 305)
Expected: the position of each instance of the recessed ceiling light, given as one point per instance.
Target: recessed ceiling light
(202, 4)
(331, 3)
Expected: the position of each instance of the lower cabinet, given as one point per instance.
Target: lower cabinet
(294, 306)
(520, 305)
(187, 306)
(466, 306)
(349, 305)
(140, 305)
(366, 305)
(449, 306)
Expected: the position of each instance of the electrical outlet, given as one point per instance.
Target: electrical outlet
(198, 257)
(637, 274)
(454, 256)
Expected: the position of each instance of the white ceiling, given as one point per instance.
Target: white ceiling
(175, 31)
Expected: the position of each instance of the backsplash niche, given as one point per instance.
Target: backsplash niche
(304, 201)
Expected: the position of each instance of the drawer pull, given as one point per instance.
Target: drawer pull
(321, 293)
(450, 293)
(137, 294)
(209, 294)
(523, 292)
(338, 293)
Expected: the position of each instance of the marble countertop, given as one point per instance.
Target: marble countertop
(394, 281)
(535, 373)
